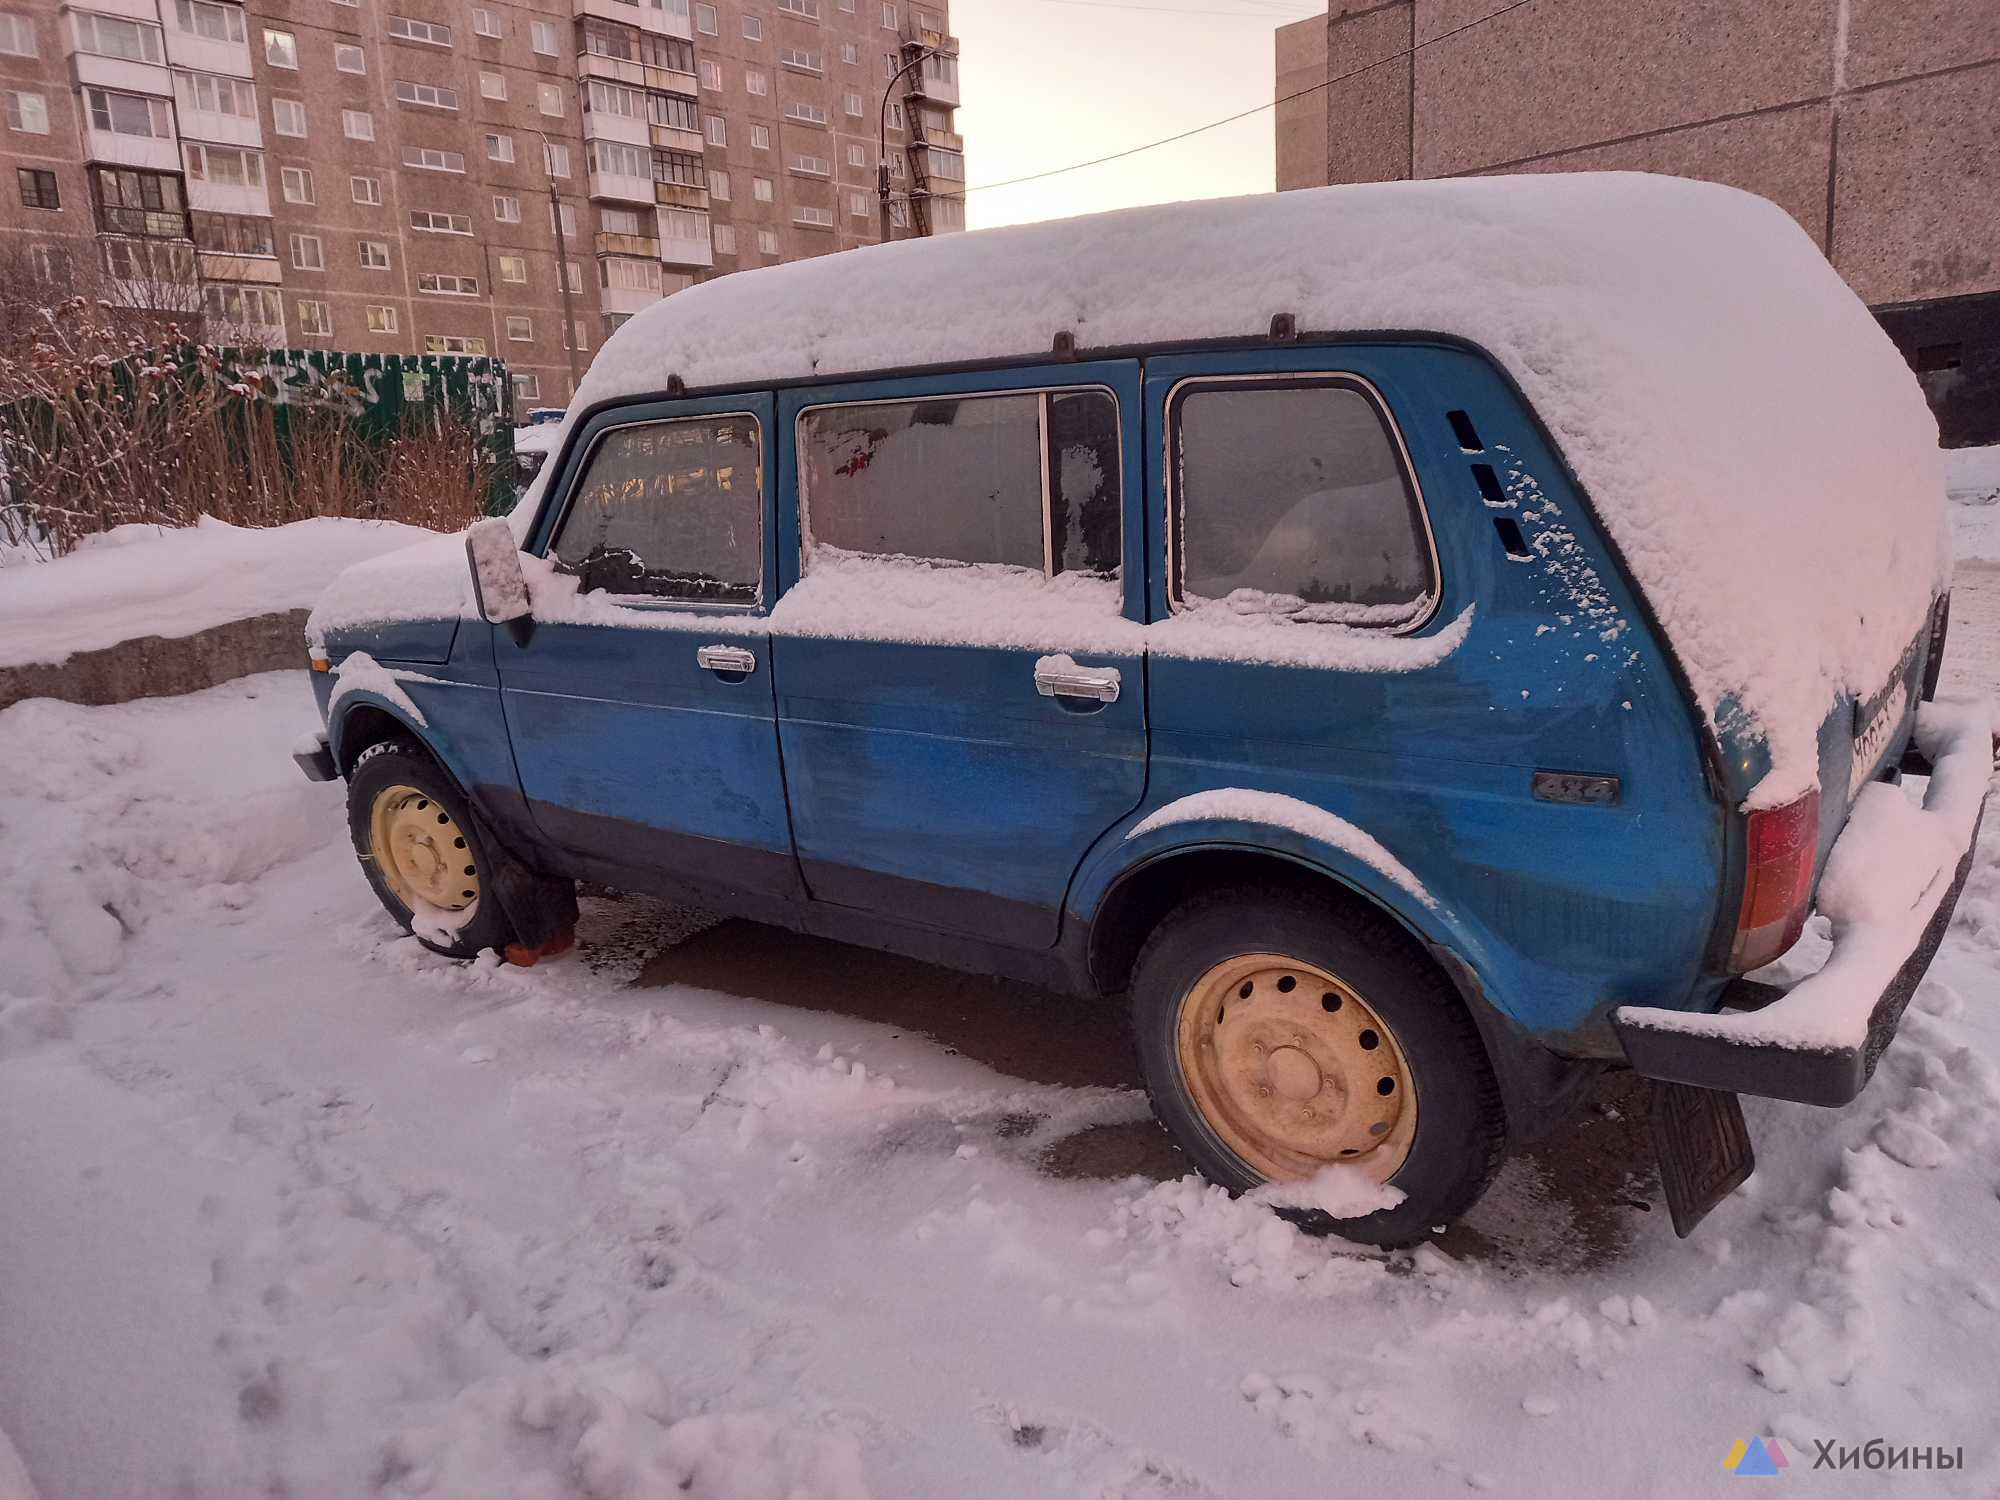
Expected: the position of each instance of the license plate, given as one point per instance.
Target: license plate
(1704, 1150)
(1873, 738)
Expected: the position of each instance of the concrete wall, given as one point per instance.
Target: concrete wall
(1876, 123)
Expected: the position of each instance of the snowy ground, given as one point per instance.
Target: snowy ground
(289, 1207)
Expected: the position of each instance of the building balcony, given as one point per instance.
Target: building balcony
(612, 69)
(670, 138)
(616, 187)
(222, 130)
(221, 198)
(148, 151)
(88, 69)
(688, 253)
(200, 54)
(144, 223)
(626, 300)
(660, 20)
(641, 246)
(680, 195)
(601, 125)
(260, 270)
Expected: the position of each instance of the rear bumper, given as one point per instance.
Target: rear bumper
(314, 756)
(1889, 890)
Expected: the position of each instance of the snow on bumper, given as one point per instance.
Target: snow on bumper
(1889, 889)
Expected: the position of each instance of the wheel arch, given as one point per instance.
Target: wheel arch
(363, 720)
(1537, 1087)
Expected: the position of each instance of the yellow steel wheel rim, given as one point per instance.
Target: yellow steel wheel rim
(421, 851)
(1294, 1070)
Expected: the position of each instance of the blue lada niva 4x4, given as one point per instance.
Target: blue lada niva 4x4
(1423, 642)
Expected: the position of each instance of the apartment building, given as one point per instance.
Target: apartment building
(436, 176)
(1876, 126)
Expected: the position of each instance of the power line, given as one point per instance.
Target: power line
(1253, 110)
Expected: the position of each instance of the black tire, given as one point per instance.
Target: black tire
(404, 763)
(1460, 1134)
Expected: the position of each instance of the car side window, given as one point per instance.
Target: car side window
(1292, 496)
(1026, 479)
(670, 510)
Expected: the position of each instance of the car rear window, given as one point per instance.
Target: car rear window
(1292, 496)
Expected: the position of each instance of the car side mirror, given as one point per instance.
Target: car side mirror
(498, 585)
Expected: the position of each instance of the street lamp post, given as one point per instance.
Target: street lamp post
(562, 260)
(882, 135)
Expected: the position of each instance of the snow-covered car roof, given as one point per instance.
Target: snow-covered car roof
(1748, 435)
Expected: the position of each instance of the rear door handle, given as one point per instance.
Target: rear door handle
(1061, 677)
(732, 659)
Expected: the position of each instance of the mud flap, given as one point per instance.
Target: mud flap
(540, 908)
(1704, 1149)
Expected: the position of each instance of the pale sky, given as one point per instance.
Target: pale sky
(1048, 82)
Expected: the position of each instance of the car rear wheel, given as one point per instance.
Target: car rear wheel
(1280, 1035)
(420, 849)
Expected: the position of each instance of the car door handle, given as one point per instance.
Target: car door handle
(1061, 677)
(733, 659)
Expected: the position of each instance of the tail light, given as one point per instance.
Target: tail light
(1777, 881)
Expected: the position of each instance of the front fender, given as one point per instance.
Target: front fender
(340, 714)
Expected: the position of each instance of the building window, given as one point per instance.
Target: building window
(281, 49)
(705, 21)
(761, 189)
(857, 156)
(374, 255)
(381, 319)
(618, 220)
(430, 159)
(513, 268)
(365, 189)
(711, 76)
(849, 53)
(224, 166)
(288, 117)
(17, 36)
(542, 37)
(725, 239)
(484, 22)
(527, 387)
(115, 36)
(616, 158)
(520, 330)
(451, 343)
(234, 234)
(216, 95)
(492, 86)
(506, 208)
(562, 217)
(129, 114)
(308, 253)
(210, 22)
(760, 137)
(629, 275)
(718, 130)
(755, 84)
(895, 117)
(357, 124)
(857, 204)
(549, 98)
(38, 188)
(852, 103)
(500, 148)
(27, 113)
(350, 59)
(429, 95)
(675, 111)
(430, 33)
(888, 15)
(681, 168)
(718, 186)
(434, 221)
(441, 285)
(767, 241)
(753, 29)
(558, 160)
(296, 183)
(314, 320)
(802, 58)
(807, 8)
(812, 166)
(602, 98)
(256, 308)
(804, 113)
(815, 218)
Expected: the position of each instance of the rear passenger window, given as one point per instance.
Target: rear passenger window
(1029, 480)
(671, 510)
(1293, 497)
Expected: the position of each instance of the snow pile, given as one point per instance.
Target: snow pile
(135, 581)
(1271, 809)
(1972, 478)
(1786, 531)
